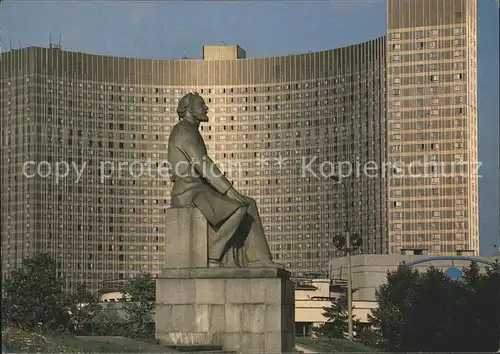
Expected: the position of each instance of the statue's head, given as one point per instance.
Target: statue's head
(192, 105)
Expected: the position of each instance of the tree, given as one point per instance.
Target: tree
(432, 316)
(83, 307)
(487, 312)
(395, 299)
(337, 319)
(139, 303)
(34, 297)
(107, 322)
(431, 312)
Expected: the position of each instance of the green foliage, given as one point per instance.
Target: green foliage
(430, 312)
(337, 319)
(394, 300)
(16, 340)
(83, 307)
(33, 296)
(107, 322)
(139, 304)
(34, 300)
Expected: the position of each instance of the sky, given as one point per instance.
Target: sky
(171, 29)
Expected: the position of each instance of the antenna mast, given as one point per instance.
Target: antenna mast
(53, 45)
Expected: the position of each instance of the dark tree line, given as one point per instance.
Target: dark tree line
(34, 300)
(431, 312)
(428, 311)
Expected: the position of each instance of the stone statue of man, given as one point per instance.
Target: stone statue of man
(238, 238)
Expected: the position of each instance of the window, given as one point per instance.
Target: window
(434, 78)
(458, 66)
(396, 35)
(419, 45)
(434, 33)
(396, 46)
(459, 157)
(457, 77)
(419, 34)
(458, 31)
(396, 58)
(457, 53)
(396, 81)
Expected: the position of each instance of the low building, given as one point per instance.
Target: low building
(311, 296)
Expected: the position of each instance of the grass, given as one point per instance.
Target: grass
(16, 340)
(333, 345)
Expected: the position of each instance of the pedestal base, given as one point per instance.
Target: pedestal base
(246, 310)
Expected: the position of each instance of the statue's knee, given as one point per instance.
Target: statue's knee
(251, 201)
(252, 205)
(243, 208)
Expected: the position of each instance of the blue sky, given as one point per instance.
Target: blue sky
(168, 29)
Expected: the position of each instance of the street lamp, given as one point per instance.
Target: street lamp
(347, 244)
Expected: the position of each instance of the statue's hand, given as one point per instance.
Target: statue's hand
(234, 195)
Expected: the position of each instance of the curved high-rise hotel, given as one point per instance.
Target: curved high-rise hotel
(84, 143)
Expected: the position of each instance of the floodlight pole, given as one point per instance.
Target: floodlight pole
(349, 249)
(349, 288)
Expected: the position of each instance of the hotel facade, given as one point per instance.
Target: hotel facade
(84, 143)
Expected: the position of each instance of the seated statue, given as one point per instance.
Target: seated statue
(238, 238)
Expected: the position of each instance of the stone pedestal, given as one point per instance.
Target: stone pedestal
(187, 238)
(246, 310)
